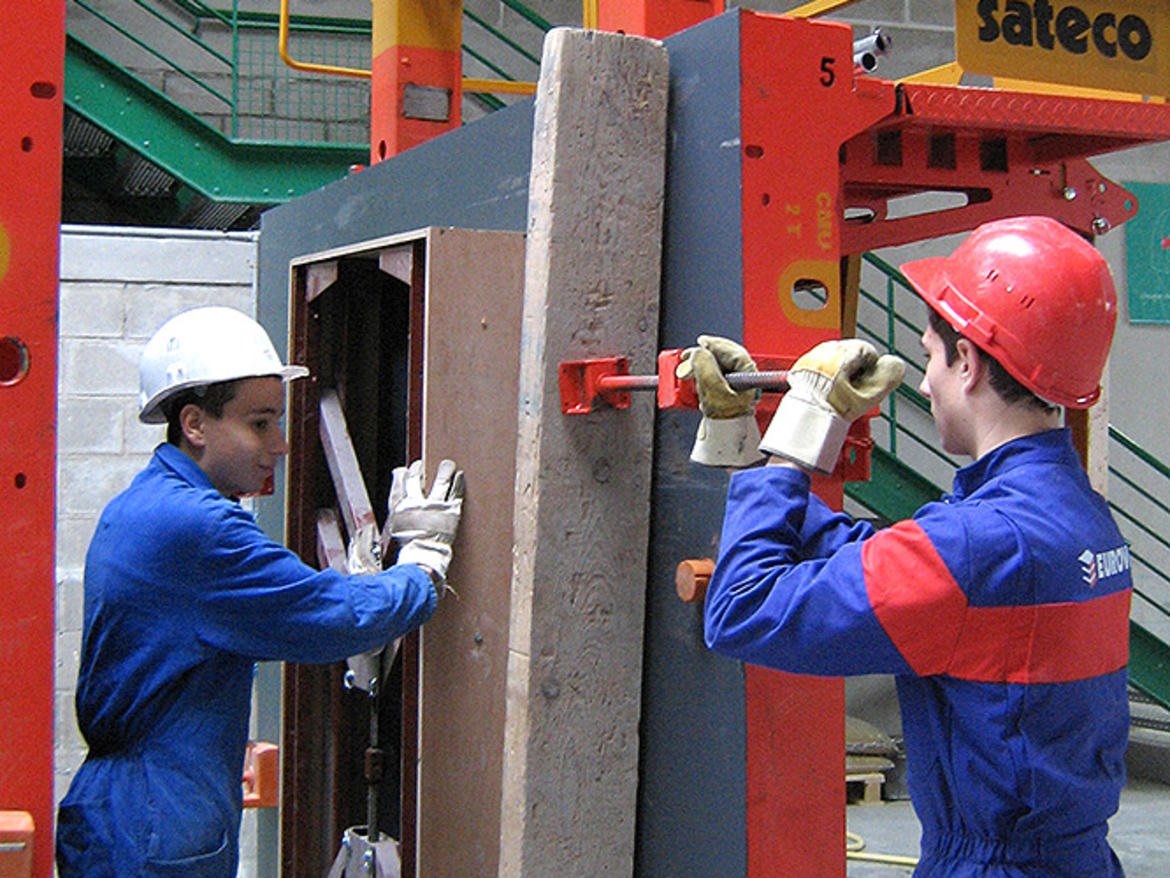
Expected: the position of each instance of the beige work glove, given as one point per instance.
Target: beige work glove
(829, 388)
(424, 524)
(728, 434)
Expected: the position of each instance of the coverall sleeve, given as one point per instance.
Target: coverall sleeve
(789, 590)
(259, 599)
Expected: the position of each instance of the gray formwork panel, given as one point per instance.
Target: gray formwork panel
(691, 799)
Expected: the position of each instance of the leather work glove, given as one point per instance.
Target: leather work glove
(728, 434)
(424, 525)
(829, 387)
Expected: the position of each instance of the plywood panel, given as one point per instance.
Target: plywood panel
(474, 289)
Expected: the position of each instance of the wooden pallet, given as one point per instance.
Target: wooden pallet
(865, 788)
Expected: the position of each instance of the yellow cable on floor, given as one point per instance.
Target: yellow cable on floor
(855, 844)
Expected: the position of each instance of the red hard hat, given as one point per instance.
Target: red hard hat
(1035, 295)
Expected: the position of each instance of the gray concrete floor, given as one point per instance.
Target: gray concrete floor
(1140, 833)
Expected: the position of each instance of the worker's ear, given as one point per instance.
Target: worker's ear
(971, 363)
(192, 424)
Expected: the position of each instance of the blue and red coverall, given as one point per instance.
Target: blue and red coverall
(1003, 613)
(183, 594)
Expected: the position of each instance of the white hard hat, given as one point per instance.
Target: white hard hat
(204, 346)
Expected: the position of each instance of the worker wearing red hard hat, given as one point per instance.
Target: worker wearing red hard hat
(184, 593)
(1002, 610)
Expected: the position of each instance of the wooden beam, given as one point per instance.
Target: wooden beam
(352, 496)
(330, 543)
(583, 483)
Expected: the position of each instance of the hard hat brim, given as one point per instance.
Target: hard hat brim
(927, 277)
(152, 412)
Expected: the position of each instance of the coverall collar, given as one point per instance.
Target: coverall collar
(1048, 446)
(183, 466)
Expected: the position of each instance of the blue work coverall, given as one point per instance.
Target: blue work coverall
(183, 594)
(1003, 612)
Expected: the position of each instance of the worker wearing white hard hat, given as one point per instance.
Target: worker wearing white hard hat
(184, 593)
(1002, 610)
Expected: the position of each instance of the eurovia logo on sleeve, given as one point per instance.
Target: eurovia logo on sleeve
(1117, 45)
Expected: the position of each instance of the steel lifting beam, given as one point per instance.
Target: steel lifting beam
(1005, 153)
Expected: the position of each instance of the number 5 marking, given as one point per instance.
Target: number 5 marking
(828, 75)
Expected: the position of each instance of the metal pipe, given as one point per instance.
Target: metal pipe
(282, 48)
(768, 380)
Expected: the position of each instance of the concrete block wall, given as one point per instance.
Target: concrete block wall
(117, 286)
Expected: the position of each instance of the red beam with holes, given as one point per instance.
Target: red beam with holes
(32, 61)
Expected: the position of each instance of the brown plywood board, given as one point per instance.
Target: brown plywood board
(474, 290)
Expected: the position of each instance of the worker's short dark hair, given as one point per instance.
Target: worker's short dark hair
(1001, 381)
(209, 397)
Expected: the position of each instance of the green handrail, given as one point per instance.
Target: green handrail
(502, 37)
(142, 44)
(528, 14)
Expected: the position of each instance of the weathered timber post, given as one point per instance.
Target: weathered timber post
(583, 483)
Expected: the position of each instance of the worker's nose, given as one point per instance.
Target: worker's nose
(280, 444)
(924, 388)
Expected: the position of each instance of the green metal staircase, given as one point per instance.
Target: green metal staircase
(182, 114)
(906, 446)
(169, 166)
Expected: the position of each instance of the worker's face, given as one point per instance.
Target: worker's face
(240, 450)
(942, 384)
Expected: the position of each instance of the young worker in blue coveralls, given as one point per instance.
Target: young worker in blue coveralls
(184, 593)
(1002, 609)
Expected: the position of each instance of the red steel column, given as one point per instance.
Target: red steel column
(791, 193)
(654, 18)
(32, 63)
(416, 85)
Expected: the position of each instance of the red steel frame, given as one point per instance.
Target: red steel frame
(654, 18)
(862, 142)
(32, 61)
(791, 234)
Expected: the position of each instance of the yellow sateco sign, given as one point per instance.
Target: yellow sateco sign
(1122, 45)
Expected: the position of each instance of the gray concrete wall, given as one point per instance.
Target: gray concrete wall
(117, 287)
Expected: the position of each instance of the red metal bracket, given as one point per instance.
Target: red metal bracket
(590, 384)
(584, 387)
(261, 775)
(606, 382)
